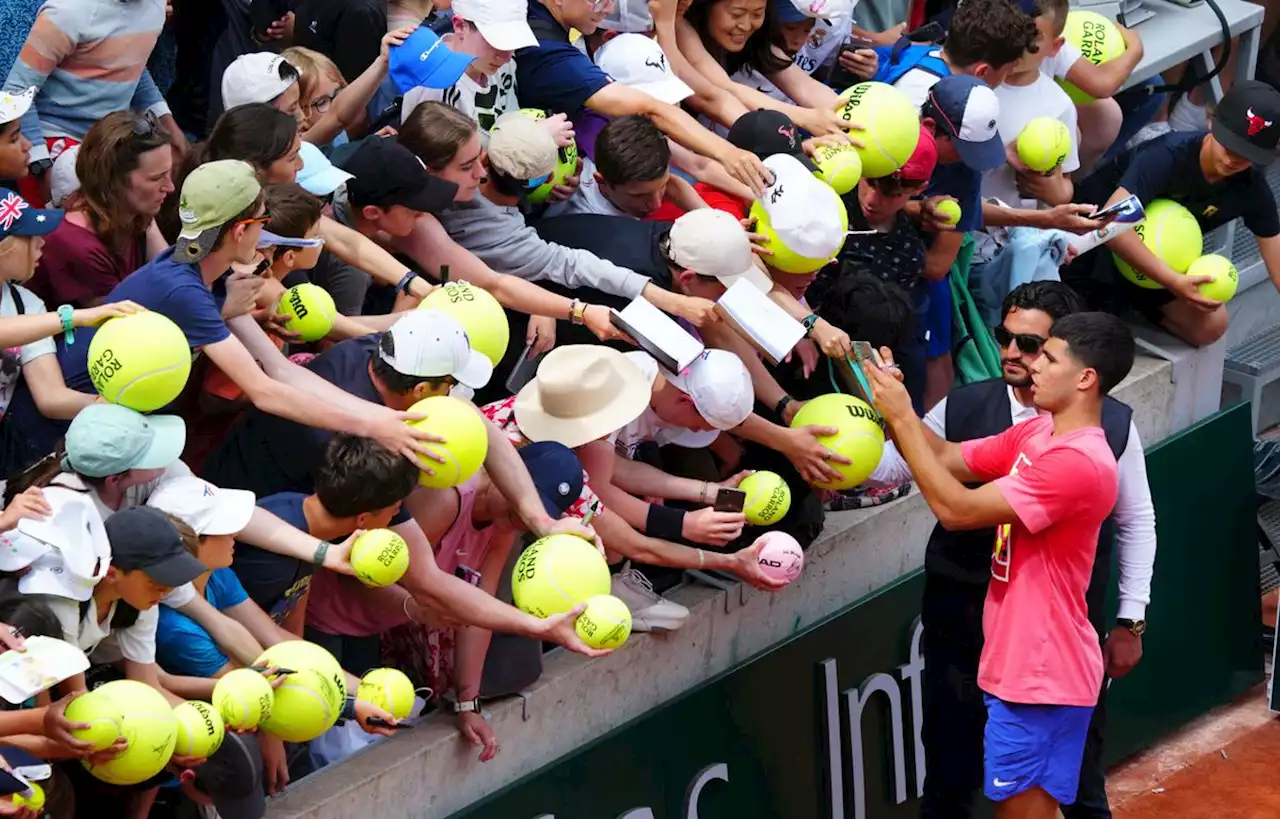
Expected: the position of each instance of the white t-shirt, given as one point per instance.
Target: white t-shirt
(824, 39)
(649, 427)
(588, 199)
(485, 103)
(136, 643)
(1018, 106)
(1059, 64)
(14, 359)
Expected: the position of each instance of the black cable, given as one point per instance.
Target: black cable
(1189, 79)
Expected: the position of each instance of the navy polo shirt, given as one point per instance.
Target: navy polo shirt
(555, 75)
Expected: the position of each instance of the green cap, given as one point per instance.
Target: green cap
(214, 194)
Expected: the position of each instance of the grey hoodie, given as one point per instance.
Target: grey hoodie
(501, 239)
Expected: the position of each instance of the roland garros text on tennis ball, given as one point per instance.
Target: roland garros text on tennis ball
(140, 361)
(768, 497)
(1044, 144)
(307, 703)
(102, 715)
(243, 699)
(1225, 277)
(149, 727)
(859, 435)
(466, 440)
(605, 622)
(1171, 233)
(200, 729)
(566, 162)
(784, 258)
(949, 210)
(891, 123)
(310, 310)
(1098, 40)
(389, 689)
(379, 558)
(556, 573)
(35, 801)
(839, 166)
(478, 312)
(781, 557)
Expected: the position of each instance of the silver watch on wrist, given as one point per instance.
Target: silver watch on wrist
(468, 706)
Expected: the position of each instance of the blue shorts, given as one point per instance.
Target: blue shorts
(1034, 746)
(938, 319)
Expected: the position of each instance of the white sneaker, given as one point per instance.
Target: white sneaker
(649, 610)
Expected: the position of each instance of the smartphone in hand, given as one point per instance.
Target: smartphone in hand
(730, 500)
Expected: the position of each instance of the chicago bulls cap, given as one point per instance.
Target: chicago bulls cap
(1247, 121)
(765, 133)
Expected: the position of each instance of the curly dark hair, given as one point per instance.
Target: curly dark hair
(1056, 299)
(995, 32)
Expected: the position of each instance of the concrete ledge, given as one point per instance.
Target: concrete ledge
(428, 772)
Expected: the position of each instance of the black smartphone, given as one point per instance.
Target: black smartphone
(382, 723)
(524, 371)
(930, 32)
(262, 13)
(730, 500)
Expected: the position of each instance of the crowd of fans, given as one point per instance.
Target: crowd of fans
(376, 149)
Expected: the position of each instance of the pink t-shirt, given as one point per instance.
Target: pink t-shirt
(1040, 648)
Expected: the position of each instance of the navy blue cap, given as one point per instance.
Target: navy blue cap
(785, 11)
(965, 109)
(424, 60)
(556, 473)
(144, 539)
(18, 218)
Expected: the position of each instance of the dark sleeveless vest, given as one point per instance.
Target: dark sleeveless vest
(981, 409)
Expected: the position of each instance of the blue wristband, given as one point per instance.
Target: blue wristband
(68, 328)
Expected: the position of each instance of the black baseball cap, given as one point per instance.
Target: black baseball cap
(1247, 121)
(143, 539)
(765, 133)
(387, 173)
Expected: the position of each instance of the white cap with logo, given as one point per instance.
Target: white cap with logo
(806, 214)
(257, 77)
(204, 507)
(711, 242)
(432, 344)
(637, 61)
(502, 23)
(720, 386)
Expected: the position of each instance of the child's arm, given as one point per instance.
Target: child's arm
(349, 105)
(471, 648)
(1105, 80)
(15, 331)
(231, 636)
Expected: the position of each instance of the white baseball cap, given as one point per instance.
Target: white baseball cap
(711, 242)
(76, 552)
(258, 77)
(63, 180)
(720, 386)
(639, 62)
(13, 106)
(432, 344)
(204, 507)
(805, 212)
(502, 23)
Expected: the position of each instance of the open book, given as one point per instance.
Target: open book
(658, 335)
(757, 319)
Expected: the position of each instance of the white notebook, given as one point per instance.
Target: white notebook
(658, 334)
(762, 322)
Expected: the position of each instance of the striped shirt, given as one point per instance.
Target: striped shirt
(88, 58)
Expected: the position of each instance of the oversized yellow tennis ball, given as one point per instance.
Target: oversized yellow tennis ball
(299, 654)
(150, 728)
(379, 557)
(389, 689)
(840, 166)
(466, 440)
(478, 312)
(243, 698)
(1225, 278)
(1044, 144)
(200, 729)
(1170, 232)
(784, 258)
(566, 162)
(102, 715)
(140, 361)
(859, 435)
(310, 310)
(949, 209)
(891, 123)
(1098, 40)
(605, 623)
(307, 704)
(768, 497)
(557, 573)
(35, 801)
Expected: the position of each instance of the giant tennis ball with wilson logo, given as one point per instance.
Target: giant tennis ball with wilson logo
(859, 435)
(891, 126)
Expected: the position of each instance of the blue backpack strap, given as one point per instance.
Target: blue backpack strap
(896, 60)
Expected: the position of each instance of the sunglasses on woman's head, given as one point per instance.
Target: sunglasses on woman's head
(1028, 343)
(146, 125)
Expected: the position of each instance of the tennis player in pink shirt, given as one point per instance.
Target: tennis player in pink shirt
(1049, 485)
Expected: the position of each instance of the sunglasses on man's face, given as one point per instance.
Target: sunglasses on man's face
(256, 220)
(1028, 343)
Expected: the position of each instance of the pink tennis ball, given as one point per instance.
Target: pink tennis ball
(781, 558)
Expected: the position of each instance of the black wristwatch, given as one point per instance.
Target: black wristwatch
(40, 167)
(1135, 627)
(406, 281)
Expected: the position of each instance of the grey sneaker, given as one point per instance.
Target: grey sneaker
(649, 610)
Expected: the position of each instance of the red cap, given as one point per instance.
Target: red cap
(919, 168)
